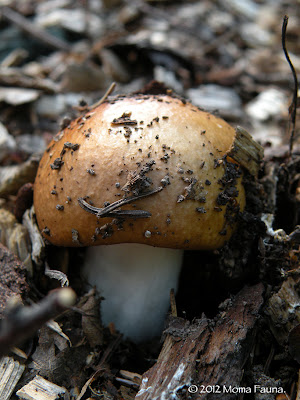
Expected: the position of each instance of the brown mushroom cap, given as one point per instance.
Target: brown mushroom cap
(130, 146)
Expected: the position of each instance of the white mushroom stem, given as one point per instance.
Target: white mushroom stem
(135, 280)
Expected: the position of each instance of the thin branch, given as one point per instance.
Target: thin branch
(110, 210)
(293, 106)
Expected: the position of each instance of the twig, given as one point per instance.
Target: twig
(33, 30)
(85, 108)
(104, 97)
(293, 106)
(110, 210)
(23, 322)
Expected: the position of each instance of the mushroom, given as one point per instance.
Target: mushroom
(139, 179)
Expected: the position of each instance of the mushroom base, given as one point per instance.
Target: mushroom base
(135, 280)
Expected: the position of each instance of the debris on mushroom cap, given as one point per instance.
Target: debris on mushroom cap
(172, 151)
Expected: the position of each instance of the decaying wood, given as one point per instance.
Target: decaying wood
(246, 151)
(205, 352)
(176, 363)
(230, 342)
(10, 373)
(42, 389)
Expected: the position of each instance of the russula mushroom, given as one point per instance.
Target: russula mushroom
(139, 179)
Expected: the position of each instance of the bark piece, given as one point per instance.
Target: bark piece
(204, 353)
(230, 342)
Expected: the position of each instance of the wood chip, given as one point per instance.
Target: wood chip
(41, 389)
(10, 374)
